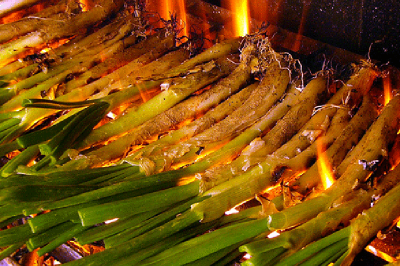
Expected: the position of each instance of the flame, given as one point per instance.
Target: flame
(387, 89)
(240, 18)
(170, 8)
(247, 256)
(380, 254)
(186, 180)
(324, 166)
(299, 35)
(182, 16)
(84, 5)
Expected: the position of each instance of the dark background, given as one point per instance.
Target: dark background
(359, 26)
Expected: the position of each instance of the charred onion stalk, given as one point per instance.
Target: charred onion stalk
(177, 92)
(27, 117)
(133, 89)
(183, 111)
(207, 210)
(269, 128)
(59, 29)
(7, 7)
(57, 11)
(342, 246)
(279, 250)
(349, 136)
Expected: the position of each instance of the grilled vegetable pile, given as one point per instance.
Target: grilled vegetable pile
(105, 116)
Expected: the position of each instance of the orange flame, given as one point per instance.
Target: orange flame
(240, 19)
(182, 16)
(84, 5)
(169, 8)
(299, 35)
(324, 167)
(387, 89)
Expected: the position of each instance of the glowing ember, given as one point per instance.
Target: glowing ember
(84, 5)
(231, 211)
(379, 253)
(273, 234)
(111, 221)
(246, 256)
(240, 10)
(111, 115)
(387, 89)
(185, 181)
(324, 167)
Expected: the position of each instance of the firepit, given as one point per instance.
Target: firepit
(194, 132)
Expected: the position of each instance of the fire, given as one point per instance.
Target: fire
(324, 167)
(182, 14)
(297, 42)
(84, 5)
(380, 254)
(171, 8)
(273, 234)
(387, 89)
(241, 17)
(231, 211)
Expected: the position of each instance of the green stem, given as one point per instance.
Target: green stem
(109, 256)
(41, 239)
(324, 255)
(105, 231)
(206, 244)
(14, 235)
(61, 238)
(147, 202)
(181, 89)
(150, 224)
(21, 159)
(10, 250)
(134, 187)
(316, 247)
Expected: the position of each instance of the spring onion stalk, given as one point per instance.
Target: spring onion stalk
(353, 238)
(356, 172)
(10, 250)
(240, 188)
(78, 127)
(318, 227)
(354, 89)
(184, 224)
(269, 91)
(77, 51)
(96, 214)
(196, 211)
(186, 110)
(7, 7)
(216, 51)
(158, 220)
(339, 148)
(28, 116)
(310, 96)
(33, 114)
(60, 29)
(14, 235)
(41, 239)
(177, 92)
